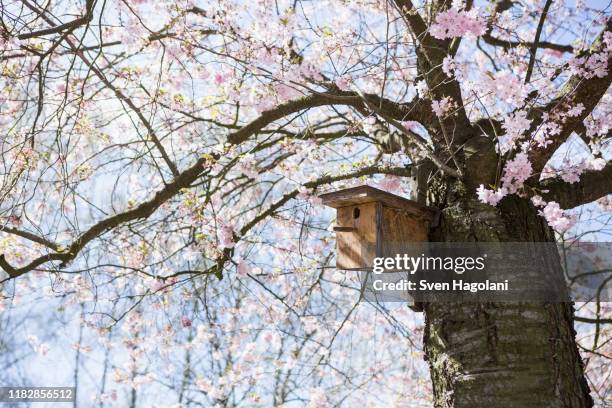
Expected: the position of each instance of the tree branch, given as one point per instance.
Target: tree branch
(430, 53)
(418, 140)
(577, 90)
(534, 45)
(128, 101)
(413, 18)
(144, 210)
(71, 25)
(147, 208)
(590, 320)
(592, 186)
(412, 111)
(489, 39)
(31, 237)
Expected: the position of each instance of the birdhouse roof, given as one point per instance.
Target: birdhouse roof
(367, 194)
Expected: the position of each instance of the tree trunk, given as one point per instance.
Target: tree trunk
(500, 354)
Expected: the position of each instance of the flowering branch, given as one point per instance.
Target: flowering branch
(592, 186)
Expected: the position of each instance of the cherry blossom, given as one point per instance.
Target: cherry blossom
(516, 172)
(443, 106)
(457, 23)
(491, 197)
(556, 217)
(515, 125)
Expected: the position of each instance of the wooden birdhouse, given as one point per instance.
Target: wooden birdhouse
(373, 223)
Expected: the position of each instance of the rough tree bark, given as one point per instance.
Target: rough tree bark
(493, 354)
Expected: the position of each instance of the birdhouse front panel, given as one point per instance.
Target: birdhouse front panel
(356, 232)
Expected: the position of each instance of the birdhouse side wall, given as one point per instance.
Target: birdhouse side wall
(400, 228)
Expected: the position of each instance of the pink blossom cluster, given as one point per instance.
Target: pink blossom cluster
(516, 172)
(449, 65)
(556, 217)
(489, 196)
(421, 88)
(410, 125)
(457, 23)
(515, 125)
(545, 133)
(309, 195)
(505, 86)
(595, 65)
(597, 127)
(343, 83)
(242, 267)
(248, 166)
(570, 172)
(226, 236)
(390, 183)
(442, 106)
